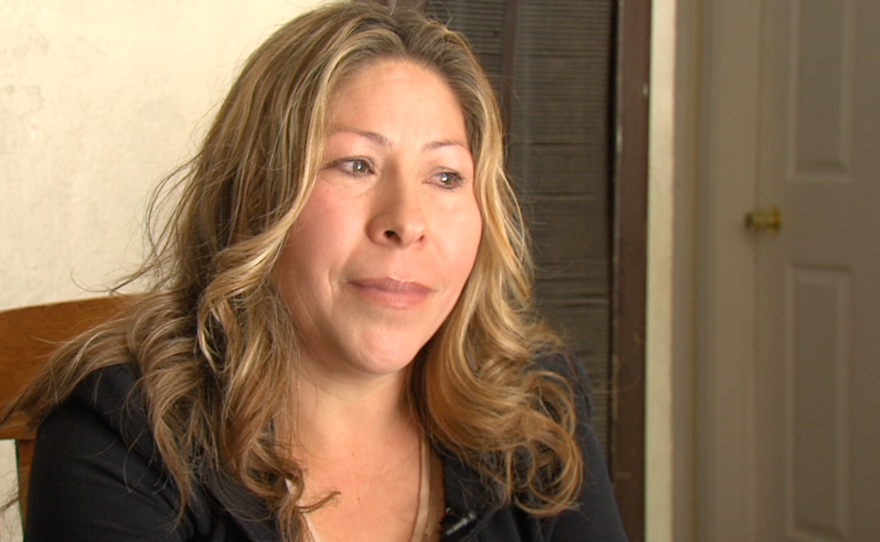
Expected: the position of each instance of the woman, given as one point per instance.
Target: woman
(339, 343)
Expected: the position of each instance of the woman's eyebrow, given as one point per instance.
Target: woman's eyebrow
(434, 145)
(373, 136)
(387, 142)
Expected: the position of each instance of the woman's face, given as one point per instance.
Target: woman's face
(384, 245)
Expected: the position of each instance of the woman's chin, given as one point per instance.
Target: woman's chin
(384, 363)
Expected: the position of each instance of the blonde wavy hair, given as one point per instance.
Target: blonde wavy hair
(215, 343)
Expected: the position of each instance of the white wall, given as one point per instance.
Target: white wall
(99, 99)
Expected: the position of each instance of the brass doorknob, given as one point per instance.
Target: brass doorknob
(767, 220)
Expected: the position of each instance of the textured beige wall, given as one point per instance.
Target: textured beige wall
(99, 99)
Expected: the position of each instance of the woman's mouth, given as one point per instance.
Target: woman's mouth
(392, 292)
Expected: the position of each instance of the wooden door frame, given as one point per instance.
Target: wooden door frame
(629, 262)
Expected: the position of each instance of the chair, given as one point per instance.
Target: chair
(28, 336)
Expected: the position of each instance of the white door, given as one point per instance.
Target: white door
(789, 420)
(817, 378)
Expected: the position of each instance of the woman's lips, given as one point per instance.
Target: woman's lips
(392, 292)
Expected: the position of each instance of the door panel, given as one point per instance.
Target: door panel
(818, 281)
(817, 332)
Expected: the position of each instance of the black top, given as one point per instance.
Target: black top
(97, 476)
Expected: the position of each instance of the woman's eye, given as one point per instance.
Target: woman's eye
(355, 166)
(449, 179)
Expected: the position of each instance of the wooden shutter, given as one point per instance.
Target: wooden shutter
(557, 94)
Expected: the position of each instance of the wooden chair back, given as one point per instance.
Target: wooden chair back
(28, 336)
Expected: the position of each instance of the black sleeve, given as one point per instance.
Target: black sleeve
(597, 518)
(96, 474)
(87, 485)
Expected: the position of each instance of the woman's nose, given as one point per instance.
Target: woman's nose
(398, 217)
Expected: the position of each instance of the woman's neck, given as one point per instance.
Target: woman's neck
(357, 440)
(336, 415)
